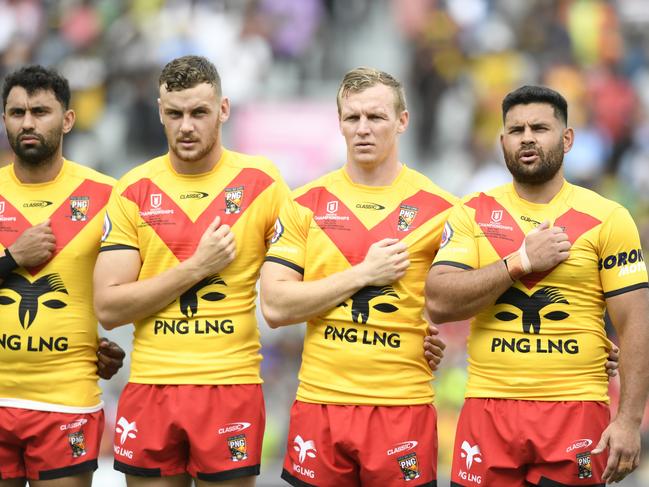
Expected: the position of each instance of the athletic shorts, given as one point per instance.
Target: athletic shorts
(211, 432)
(42, 445)
(547, 444)
(332, 445)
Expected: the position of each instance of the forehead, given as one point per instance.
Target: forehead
(18, 97)
(531, 113)
(201, 94)
(377, 97)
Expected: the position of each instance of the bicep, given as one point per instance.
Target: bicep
(116, 267)
(629, 307)
(273, 272)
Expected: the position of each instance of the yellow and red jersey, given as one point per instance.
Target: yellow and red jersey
(209, 334)
(48, 340)
(368, 349)
(544, 338)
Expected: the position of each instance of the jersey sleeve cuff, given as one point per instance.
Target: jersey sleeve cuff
(286, 263)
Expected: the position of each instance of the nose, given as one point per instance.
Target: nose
(528, 135)
(187, 125)
(363, 127)
(28, 121)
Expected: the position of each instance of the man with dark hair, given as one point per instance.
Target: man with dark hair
(174, 261)
(537, 262)
(349, 256)
(51, 215)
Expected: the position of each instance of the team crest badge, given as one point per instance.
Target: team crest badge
(238, 449)
(332, 206)
(584, 465)
(409, 466)
(78, 444)
(407, 215)
(447, 235)
(279, 230)
(496, 216)
(79, 206)
(233, 200)
(155, 200)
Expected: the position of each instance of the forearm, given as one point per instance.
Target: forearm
(286, 302)
(634, 373)
(454, 294)
(120, 304)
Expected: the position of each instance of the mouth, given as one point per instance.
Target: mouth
(29, 139)
(363, 145)
(528, 155)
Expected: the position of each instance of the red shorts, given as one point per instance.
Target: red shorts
(331, 445)
(213, 433)
(42, 445)
(517, 443)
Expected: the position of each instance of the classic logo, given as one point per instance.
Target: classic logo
(304, 448)
(471, 453)
(409, 466)
(189, 299)
(30, 292)
(37, 204)
(127, 430)
(74, 424)
(78, 444)
(233, 200)
(332, 206)
(578, 444)
(79, 206)
(361, 302)
(407, 215)
(232, 427)
(238, 448)
(531, 307)
(193, 195)
(156, 200)
(496, 216)
(367, 205)
(404, 446)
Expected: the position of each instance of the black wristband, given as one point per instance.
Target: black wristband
(7, 264)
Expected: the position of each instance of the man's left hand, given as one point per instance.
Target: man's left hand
(110, 358)
(433, 347)
(623, 441)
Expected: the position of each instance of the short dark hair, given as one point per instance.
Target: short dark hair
(537, 94)
(36, 78)
(188, 71)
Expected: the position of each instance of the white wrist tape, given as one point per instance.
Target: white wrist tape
(525, 260)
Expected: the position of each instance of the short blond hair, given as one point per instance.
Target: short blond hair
(360, 79)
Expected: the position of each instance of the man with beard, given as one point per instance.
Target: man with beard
(536, 263)
(51, 214)
(185, 237)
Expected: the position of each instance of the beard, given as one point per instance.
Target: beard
(539, 173)
(193, 155)
(36, 154)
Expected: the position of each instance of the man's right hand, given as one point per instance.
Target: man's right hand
(547, 247)
(34, 246)
(216, 248)
(386, 261)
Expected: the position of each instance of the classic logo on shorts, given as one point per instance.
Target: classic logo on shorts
(409, 466)
(79, 206)
(403, 446)
(579, 444)
(30, 292)
(584, 465)
(279, 230)
(238, 449)
(233, 200)
(78, 444)
(233, 427)
(407, 215)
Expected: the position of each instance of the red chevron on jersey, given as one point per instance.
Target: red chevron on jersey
(12, 223)
(574, 223)
(76, 211)
(330, 214)
(230, 204)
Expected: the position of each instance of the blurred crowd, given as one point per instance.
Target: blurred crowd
(281, 62)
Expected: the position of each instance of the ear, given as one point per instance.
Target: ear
(568, 139)
(160, 111)
(69, 118)
(404, 119)
(224, 109)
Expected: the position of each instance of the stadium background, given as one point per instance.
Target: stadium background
(281, 62)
